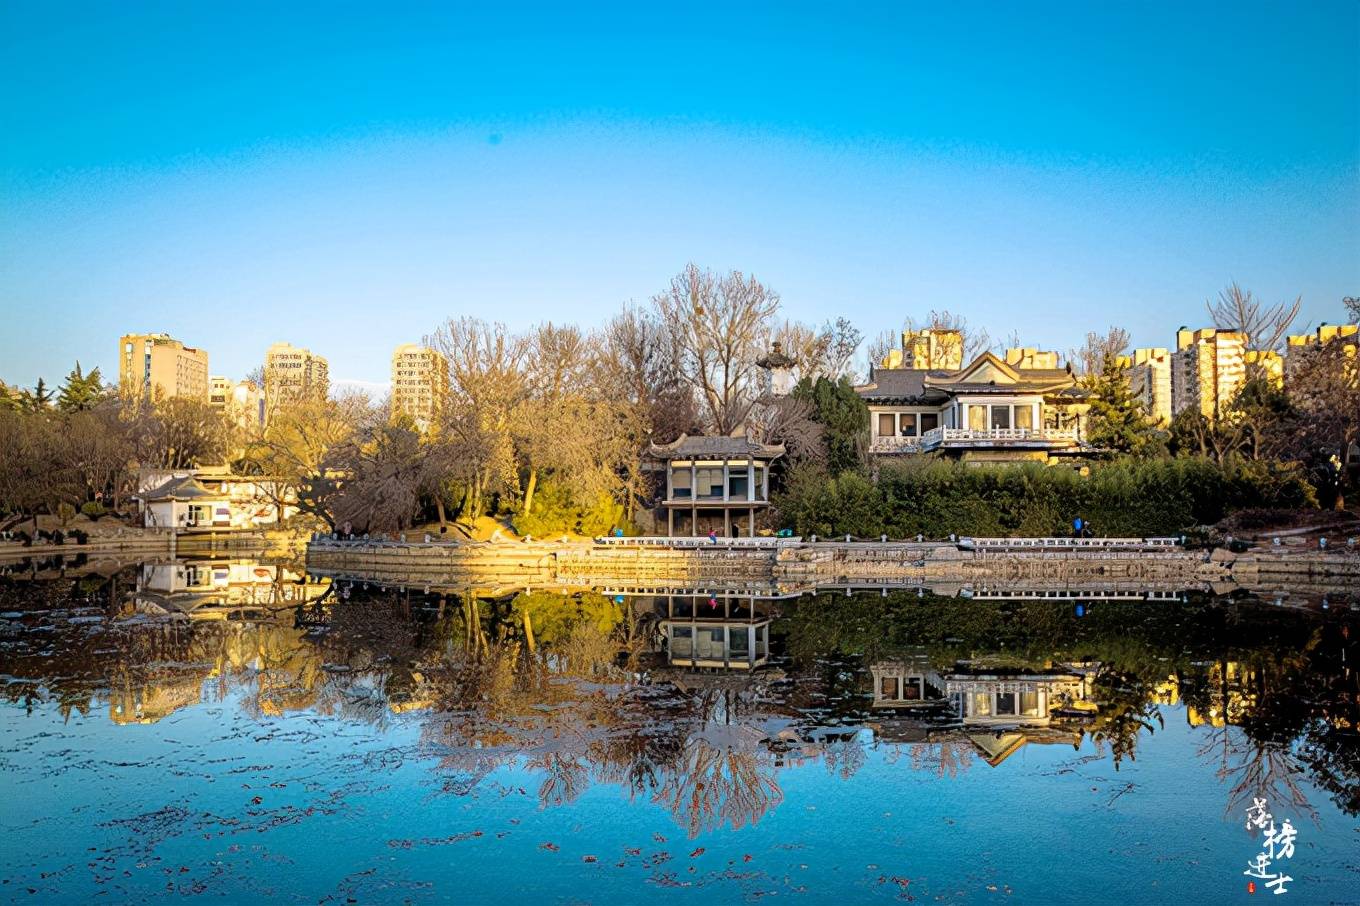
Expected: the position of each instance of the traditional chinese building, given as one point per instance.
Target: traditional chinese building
(1021, 408)
(715, 631)
(715, 484)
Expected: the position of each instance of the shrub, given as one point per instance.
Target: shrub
(94, 509)
(1124, 497)
(557, 510)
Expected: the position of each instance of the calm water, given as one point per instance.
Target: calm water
(236, 731)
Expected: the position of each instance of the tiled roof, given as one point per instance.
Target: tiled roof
(715, 446)
(186, 488)
(903, 385)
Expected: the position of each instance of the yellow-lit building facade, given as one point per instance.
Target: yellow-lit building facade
(158, 365)
(291, 372)
(1208, 369)
(1149, 373)
(240, 402)
(420, 384)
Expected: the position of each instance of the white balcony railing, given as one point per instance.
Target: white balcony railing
(895, 445)
(946, 436)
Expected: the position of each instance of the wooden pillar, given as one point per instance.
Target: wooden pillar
(727, 487)
(727, 523)
(751, 523)
(693, 519)
(670, 522)
(750, 478)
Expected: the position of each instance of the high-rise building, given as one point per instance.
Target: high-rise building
(420, 383)
(1208, 368)
(1030, 357)
(157, 364)
(292, 373)
(929, 350)
(240, 401)
(1298, 345)
(1150, 382)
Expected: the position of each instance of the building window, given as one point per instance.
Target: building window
(1001, 417)
(982, 704)
(911, 689)
(1005, 703)
(886, 427)
(710, 483)
(929, 421)
(1024, 417)
(887, 688)
(907, 420)
(737, 483)
(1029, 704)
(682, 642)
(680, 482)
(977, 418)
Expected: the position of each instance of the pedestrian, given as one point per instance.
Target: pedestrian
(712, 536)
(1076, 527)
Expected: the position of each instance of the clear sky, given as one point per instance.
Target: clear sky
(347, 176)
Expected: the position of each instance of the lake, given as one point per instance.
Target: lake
(240, 731)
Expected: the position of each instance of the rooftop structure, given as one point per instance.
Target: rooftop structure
(1208, 369)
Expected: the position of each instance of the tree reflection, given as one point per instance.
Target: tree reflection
(574, 688)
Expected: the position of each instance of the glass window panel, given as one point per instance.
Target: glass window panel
(680, 479)
(929, 421)
(1029, 704)
(907, 420)
(911, 689)
(681, 642)
(982, 704)
(887, 688)
(886, 424)
(710, 483)
(1001, 417)
(741, 640)
(709, 643)
(1005, 703)
(737, 484)
(977, 418)
(1024, 417)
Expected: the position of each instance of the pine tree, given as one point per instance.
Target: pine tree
(1117, 421)
(81, 391)
(38, 399)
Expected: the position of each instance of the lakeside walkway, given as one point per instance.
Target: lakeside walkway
(789, 565)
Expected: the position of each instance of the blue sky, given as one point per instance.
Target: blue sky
(346, 176)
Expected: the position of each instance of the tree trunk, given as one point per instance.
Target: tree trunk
(529, 491)
(439, 508)
(528, 630)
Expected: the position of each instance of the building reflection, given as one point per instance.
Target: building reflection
(696, 702)
(721, 632)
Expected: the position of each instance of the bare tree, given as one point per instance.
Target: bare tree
(973, 342)
(1098, 350)
(486, 384)
(1264, 326)
(1352, 304)
(879, 347)
(718, 325)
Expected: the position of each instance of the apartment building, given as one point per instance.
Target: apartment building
(420, 383)
(291, 372)
(1208, 369)
(242, 402)
(158, 365)
(1150, 381)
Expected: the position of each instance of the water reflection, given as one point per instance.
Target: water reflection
(697, 702)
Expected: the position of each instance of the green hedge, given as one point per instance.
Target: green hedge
(1126, 497)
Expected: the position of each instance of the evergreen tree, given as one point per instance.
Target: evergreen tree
(81, 391)
(38, 399)
(844, 417)
(1117, 421)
